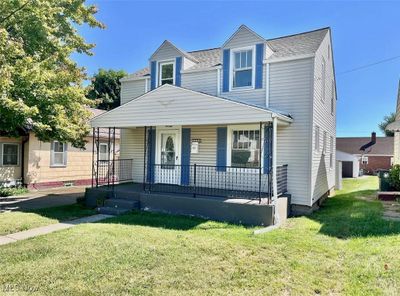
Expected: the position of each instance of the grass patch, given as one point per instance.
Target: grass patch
(11, 222)
(12, 191)
(346, 248)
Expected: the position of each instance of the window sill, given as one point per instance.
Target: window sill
(10, 165)
(242, 88)
(58, 166)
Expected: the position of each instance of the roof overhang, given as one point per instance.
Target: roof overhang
(394, 126)
(172, 105)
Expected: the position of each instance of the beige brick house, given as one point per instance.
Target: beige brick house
(40, 164)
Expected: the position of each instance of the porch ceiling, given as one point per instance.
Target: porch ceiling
(172, 105)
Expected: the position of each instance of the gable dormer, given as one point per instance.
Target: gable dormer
(242, 60)
(166, 64)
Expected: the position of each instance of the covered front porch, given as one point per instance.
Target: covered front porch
(181, 142)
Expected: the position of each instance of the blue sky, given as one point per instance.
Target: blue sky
(363, 33)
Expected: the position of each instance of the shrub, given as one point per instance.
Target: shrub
(10, 191)
(394, 177)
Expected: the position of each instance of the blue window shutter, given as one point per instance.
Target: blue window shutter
(259, 65)
(153, 73)
(225, 70)
(221, 148)
(267, 148)
(151, 154)
(185, 159)
(178, 68)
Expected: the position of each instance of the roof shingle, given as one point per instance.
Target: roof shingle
(383, 146)
(287, 46)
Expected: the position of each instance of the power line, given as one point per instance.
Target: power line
(370, 65)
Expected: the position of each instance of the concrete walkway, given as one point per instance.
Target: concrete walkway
(11, 238)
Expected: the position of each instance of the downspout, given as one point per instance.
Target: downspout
(24, 141)
(267, 85)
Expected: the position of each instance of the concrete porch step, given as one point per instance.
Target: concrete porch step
(124, 195)
(112, 211)
(121, 203)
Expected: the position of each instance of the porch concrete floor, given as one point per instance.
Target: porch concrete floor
(134, 188)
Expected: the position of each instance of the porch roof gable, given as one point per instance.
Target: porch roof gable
(172, 105)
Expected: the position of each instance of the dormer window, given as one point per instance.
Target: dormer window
(166, 71)
(243, 66)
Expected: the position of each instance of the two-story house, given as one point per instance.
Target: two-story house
(254, 118)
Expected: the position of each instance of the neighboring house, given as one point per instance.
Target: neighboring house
(378, 156)
(395, 127)
(234, 116)
(39, 164)
(350, 164)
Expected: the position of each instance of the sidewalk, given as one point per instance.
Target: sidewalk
(11, 238)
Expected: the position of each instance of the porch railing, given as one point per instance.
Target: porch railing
(225, 181)
(109, 172)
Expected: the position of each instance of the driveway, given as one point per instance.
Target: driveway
(42, 199)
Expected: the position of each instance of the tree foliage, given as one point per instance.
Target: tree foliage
(386, 121)
(40, 85)
(106, 88)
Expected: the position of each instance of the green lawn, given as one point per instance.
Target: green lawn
(345, 248)
(11, 222)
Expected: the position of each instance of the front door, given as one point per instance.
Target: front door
(167, 170)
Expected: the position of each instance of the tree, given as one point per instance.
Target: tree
(41, 87)
(106, 88)
(386, 121)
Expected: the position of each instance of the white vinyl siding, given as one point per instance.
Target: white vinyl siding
(132, 147)
(333, 97)
(208, 146)
(331, 151)
(250, 96)
(132, 89)
(291, 90)
(323, 178)
(205, 81)
(316, 138)
(243, 37)
(323, 79)
(165, 52)
(170, 105)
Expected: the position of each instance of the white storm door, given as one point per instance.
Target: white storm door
(167, 170)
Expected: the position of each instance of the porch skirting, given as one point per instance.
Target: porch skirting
(241, 211)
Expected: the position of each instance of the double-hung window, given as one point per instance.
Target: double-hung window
(10, 154)
(58, 154)
(166, 73)
(364, 160)
(243, 68)
(245, 148)
(103, 149)
(324, 143)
